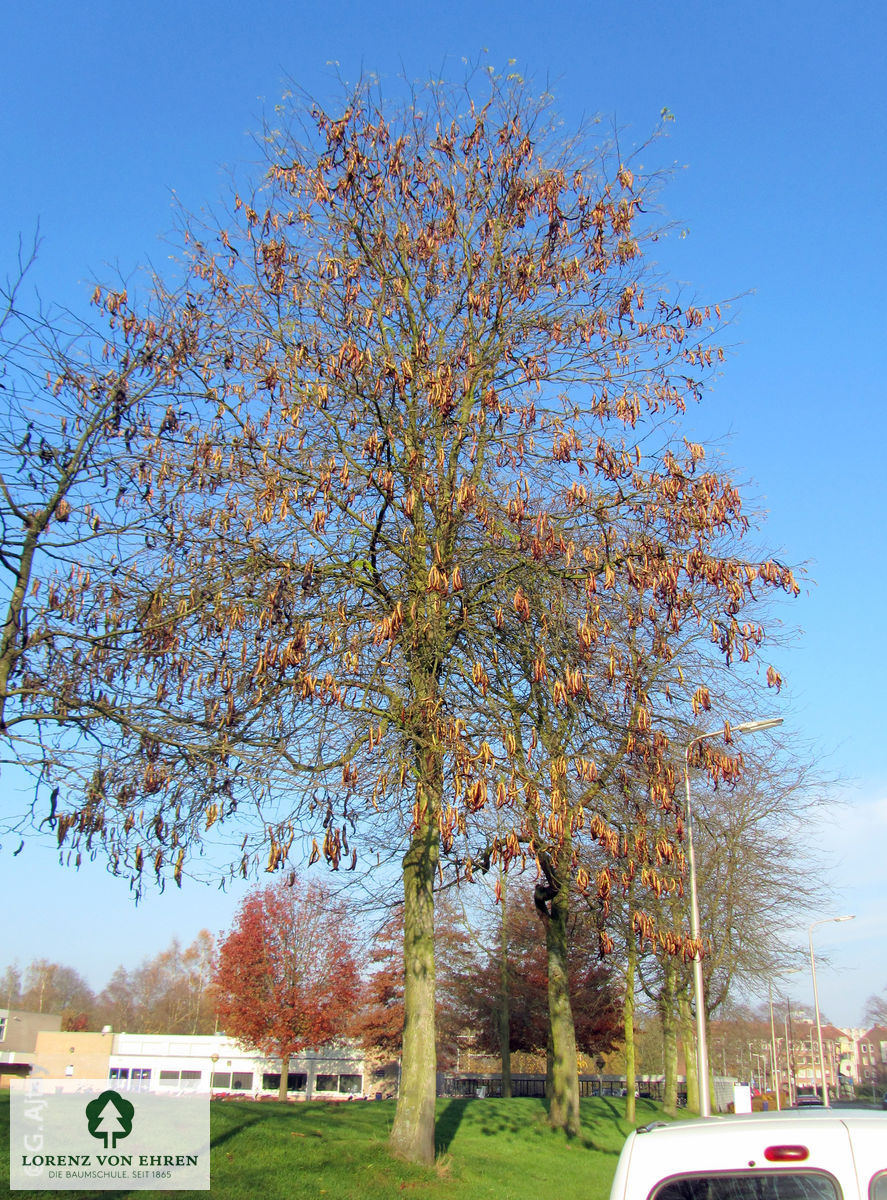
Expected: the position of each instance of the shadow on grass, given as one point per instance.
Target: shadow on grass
(489, 1117)
(448, 1119)
(603, 1124)
(604, 1115)
(245, 1118)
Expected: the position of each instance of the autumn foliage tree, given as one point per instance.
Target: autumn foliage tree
(287, 976)
(380, 1023)
(170, 992)
(414, 430)
(594, 998)
(49, 987)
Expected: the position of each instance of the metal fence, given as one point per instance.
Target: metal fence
(479, 1084)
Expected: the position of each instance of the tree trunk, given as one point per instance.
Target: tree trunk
(563, 1105)
(504, 1031)
(688, 1038)
(284, 1078)
(628, 1028)
(668, 1016)
(412, 1135)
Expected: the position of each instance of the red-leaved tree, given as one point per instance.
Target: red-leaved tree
(594, 999)
(287, 976)
(380, 1023)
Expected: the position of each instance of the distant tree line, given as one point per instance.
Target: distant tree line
(170, 992)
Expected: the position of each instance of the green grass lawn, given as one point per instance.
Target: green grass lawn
(496, 1149)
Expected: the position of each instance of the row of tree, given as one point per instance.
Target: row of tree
(375, 536)
(168, 993)
(295, 971)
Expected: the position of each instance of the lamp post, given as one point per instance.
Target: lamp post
(788, 1055)
(825, 921)
(773, 1047)
(698, 984)
(773, 1050)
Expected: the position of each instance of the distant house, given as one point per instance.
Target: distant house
(18, 1040)
(747, 1046)
(872, 1055)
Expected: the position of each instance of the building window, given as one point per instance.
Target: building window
(241, 1081)
(137, 1079)
(295, 1081)
(351, 1084)
(221, 1079)
(2, 1028)
(190, 1080)
(327, 1083)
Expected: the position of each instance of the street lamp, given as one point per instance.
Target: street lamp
(825, 921)
(790, 971)
(790, 1070)
(773, 1047)
(698, 986)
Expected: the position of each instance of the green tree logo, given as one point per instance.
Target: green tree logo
(109, 1116)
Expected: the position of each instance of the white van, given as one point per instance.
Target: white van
(827, 1154)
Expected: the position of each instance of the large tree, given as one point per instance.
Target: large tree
(417, 393)
(50, 987)
(287, 976)
(756, 874)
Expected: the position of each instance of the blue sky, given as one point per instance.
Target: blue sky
(109, 112)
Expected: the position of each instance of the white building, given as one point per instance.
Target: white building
(216, 1063)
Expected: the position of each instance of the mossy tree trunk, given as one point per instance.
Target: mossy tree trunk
(563, 1063)
(631, 966)
(412, 1135)
(688, 1038)
(504, 1031)
(668, 1017)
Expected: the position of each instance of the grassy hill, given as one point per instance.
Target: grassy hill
(487, 1150)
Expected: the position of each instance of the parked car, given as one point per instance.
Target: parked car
(809, 1101)
(811, 1155)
